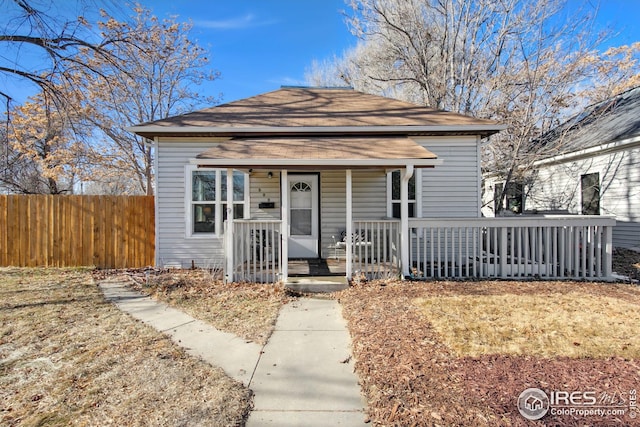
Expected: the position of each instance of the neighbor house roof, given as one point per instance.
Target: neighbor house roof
(358, 151)
(316, 110)
(615, 119)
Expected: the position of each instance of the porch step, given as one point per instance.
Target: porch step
(317, 284)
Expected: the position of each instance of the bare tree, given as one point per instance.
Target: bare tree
(515, 61)
(41, 46)
(163, 67)
(44, 153)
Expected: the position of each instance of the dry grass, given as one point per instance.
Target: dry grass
(67, 357)
(248, 310)
(548, 325)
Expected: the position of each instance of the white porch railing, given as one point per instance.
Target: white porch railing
(574, 247)
(548, 247)
(376, 249)
(256, 251)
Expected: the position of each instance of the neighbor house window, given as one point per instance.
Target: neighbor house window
(207, 199)
(393, 190)
(512, 200)
(590, 188)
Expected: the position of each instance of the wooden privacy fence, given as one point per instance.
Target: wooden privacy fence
(71, 231)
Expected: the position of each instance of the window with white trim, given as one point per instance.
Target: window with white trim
(393, 195)
(206, 198)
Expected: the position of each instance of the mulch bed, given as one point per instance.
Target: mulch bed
(411, 378)
(627, 262)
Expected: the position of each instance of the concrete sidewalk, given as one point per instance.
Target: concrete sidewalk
(237, 357)
(302, 377)
(305, 375)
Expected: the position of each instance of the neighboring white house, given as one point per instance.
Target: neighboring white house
(256, 182)
(597, 168)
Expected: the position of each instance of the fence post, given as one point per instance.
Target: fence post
(503, 251)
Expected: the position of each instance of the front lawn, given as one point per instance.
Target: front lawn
(460, 353)
(68, 357)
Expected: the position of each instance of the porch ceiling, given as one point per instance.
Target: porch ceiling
(325, 151)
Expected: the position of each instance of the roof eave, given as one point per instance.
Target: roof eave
(317, 163)
(151, 131)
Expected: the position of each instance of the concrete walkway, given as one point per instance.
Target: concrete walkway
(237, 357)
(302, 377)
(305, 375)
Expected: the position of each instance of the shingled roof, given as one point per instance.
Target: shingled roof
(615, 119)
(316, 110)
(302, 152)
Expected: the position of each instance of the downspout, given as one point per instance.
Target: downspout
(349, 222)
(155, 203)
(230, 229)
(406, 175)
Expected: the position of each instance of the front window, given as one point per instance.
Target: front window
(394, 189)
(207, 203)
(203, 201)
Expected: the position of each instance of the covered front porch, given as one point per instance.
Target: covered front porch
(305, 193)
(273, 250)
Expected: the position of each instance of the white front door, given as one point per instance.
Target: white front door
(303, 215)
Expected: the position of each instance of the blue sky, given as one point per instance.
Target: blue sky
(259, 45)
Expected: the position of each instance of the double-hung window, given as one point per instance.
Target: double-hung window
(393, 195)
(206, 199)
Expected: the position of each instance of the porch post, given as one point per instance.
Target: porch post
(607, 258)
(349, 225)
(406, 175)
(284, 233)
(230, 229)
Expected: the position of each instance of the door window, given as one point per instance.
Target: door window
(301, 209)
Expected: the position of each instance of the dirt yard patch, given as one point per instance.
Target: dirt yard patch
(67, 357)
(248, 310)
(419, 361)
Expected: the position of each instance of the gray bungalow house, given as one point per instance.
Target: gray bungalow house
(387, 188)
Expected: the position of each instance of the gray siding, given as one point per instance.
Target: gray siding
(452, 189)
(174, 247)
(264, 189)
(557, 187)
(369, 202)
